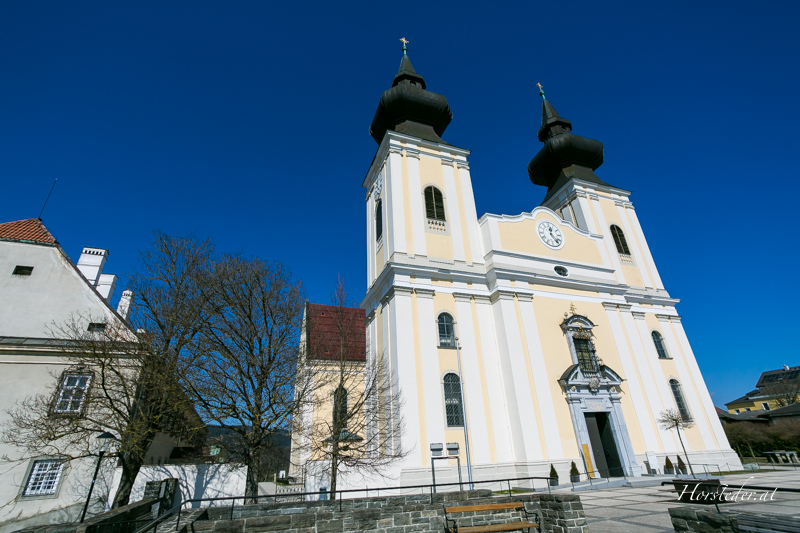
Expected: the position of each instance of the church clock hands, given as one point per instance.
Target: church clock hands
(550, 234)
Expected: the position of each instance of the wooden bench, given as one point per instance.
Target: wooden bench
(508, 526)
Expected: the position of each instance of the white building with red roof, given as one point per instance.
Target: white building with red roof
(40, 289)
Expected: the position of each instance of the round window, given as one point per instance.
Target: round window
(561, 271)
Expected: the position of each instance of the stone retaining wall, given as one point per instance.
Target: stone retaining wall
(561, 513)
(693, 519)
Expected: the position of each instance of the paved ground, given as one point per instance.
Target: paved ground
(645, 509)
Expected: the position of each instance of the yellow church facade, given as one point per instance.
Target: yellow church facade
(570, 347)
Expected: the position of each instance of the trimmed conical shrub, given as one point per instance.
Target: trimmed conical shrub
(573, 470)
(553, 472)
(668, 464)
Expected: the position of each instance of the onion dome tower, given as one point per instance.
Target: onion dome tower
(564, 155)
(408, 108)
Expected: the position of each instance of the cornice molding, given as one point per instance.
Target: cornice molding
(462, 164)
(638, 315)
(449, 161)
(412, 152)
(610, 306)
(462, 297)
(424, 293)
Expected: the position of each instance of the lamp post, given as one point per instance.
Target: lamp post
(466, 430)
(105, 438)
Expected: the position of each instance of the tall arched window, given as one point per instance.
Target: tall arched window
(434, 204)
(452, 400)
(679, 401)
(659, 342)
(378, 220)
(447, 336)
(619, 240)
(340, 408)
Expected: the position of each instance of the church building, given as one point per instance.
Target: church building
(548, 334)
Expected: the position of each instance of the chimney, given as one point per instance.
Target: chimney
(91, 263)
(106, 284)
(124, 306)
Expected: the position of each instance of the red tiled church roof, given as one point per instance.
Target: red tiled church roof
(31, 230)
(327, 326)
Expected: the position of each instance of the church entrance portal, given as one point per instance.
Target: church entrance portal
(604, 449)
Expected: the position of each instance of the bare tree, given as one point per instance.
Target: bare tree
(243, 374)
(746, 434)
(133, 387)
(673, 419)
(358, 422)
(783, 393)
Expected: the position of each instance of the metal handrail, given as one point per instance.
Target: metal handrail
(177, 509)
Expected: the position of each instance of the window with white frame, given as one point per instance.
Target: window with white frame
(447, 336)
(72, 393)
(680, 402)
(765, 405)
(658, 341)
(453, 407)
(44, 477)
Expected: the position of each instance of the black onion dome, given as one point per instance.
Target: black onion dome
(564, 154)
(408, 108)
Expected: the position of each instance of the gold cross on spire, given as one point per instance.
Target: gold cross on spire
(572, 308)
(404, 41)
(539, 85)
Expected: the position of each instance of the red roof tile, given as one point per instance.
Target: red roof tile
(31, 229)
(327, 326)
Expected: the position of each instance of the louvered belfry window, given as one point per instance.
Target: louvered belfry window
(434, 204)
(452, 400)
(378, 220)
(340, 408)
(619, 240)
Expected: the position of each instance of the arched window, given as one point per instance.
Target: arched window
(619, 240)
(679, 401)
(434, 203)
(340, 408)
(447, 336)
(378, 220)
(659, 342)
(452, 400)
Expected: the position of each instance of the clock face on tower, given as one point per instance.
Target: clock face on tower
(550, 234)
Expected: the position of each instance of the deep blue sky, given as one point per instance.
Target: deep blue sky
(247, 122)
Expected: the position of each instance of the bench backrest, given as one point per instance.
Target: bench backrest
(487, 507)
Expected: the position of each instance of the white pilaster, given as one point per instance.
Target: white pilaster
(633, 244)
(654, 399)
(645, 248)
(637, 396)
(689, 385)
(431, 376)
(415, 190)
(651, 356)
(471, 372)
(404, 361)
(394, 203)
(611, 249)
(453, 212)
(491, 366)
(476, 250)
(544, 397)
(521, 414)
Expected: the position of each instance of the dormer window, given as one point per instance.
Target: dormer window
(20, 270)
(96, 327)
